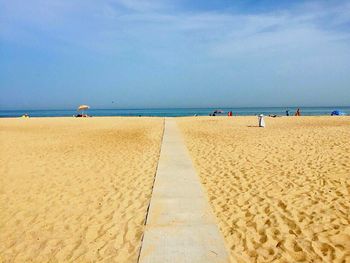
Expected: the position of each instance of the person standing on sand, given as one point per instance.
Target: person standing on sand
(287, 112)
(261, 121)
(297, 113)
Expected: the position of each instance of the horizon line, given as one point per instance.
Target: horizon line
(173, 108)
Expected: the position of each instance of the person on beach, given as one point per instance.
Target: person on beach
(297, 113)
(261, 121)
(287, 112)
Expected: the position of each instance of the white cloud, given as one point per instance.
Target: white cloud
(114, 25)
(307, 46)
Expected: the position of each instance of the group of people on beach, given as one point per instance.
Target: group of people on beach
(297, 113)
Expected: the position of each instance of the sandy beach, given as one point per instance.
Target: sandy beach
(280, 193)
(75, 190)
(78, 190)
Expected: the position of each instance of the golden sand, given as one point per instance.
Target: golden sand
(75, 190)
(280, 193)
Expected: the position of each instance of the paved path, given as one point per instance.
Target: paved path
(180, 226)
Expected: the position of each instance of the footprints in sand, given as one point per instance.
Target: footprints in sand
(81, 192)
(85, 198)
(281, 194)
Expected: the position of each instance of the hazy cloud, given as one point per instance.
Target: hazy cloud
(307, 45)
(107, 25)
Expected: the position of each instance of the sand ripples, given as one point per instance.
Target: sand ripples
(76, 190)
(280, 193)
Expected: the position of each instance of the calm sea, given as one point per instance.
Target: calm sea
(307, 111)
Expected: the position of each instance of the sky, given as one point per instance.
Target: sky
(58, 54)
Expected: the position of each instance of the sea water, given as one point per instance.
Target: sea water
(246, 111)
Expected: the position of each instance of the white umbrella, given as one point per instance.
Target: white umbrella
(82, 108)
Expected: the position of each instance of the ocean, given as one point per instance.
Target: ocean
(245, 111)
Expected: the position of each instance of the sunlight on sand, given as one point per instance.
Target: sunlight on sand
(76, 189)
(281, 192)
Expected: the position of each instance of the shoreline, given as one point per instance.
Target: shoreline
(181, 112)
(201, 116)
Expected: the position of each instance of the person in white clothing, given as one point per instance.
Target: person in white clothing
(261, 120)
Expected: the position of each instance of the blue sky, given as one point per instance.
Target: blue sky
(147, 54)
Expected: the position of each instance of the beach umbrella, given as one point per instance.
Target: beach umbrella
(82, 108)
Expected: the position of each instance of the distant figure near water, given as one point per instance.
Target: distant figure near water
(287, 112)
(261, 120)
(297, 113)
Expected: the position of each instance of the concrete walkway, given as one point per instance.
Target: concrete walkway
(180, 226)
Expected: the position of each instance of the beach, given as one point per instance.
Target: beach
(78, 189)
(280, 193)
(75, 190)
